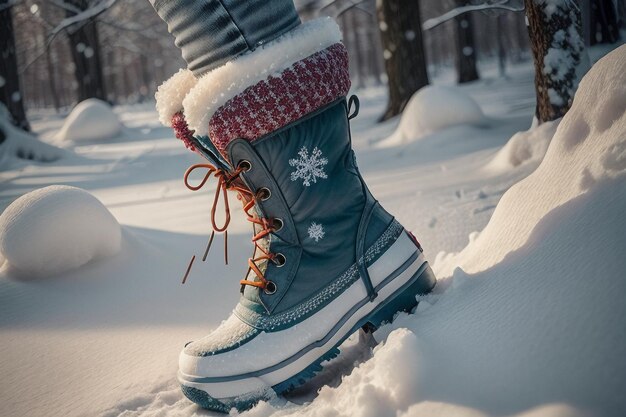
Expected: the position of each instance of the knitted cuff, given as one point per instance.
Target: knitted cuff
(262, 91)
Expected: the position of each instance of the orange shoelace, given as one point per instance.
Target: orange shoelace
(225, 182)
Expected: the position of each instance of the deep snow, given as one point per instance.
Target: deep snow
(524, 147)
(526, 319)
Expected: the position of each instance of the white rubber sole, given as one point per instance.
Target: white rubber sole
(285, 354)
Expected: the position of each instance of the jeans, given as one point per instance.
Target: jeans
(213, 32)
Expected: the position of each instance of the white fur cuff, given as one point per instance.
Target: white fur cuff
(169, 96)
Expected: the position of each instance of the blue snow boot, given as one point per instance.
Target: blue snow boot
(328, 260)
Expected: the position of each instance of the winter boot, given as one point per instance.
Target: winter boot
(328, 260)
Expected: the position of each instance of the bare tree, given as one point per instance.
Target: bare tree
(405, 58)
(465, 46)
(10, 91)
(557, 44)
(466, 54)
(603, 25)
(85, 50)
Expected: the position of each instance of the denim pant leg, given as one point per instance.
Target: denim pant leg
(212, 32)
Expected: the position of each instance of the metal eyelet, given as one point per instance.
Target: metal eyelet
(279, 260)
(270, 288)
(277, 224)
(245, 165)
(264, 193)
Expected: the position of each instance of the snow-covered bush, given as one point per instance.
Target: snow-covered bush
(523, 147)
(91, 119)
(56, 229)
(18, 144)
(434, 108)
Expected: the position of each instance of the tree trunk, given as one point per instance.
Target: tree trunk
(51, 79)
(352, 43)
(500, 36)
(85, 51)
(603, 22)
(10, 92)
(405, 59)
(557, 46)
(465, 46)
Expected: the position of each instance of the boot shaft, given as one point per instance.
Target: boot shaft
(316, 192)
(281, 111)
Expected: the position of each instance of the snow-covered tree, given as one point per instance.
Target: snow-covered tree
(556, 40)
(10, 91)
(405, 58)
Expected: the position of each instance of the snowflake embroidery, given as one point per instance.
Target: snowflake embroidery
(308, 167)
(316, 231)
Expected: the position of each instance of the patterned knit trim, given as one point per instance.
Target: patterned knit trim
(182, 131)
(216, 87)
(326, 295)
(284, 98)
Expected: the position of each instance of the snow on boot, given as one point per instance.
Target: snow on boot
(274, 125)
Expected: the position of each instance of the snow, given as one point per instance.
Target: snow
(432, 109)
(90, 120)
(18, 146)
(524, 147)
(526, 320)
(56, 229)
(580, 154)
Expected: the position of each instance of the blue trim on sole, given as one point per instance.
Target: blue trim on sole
(403, 299)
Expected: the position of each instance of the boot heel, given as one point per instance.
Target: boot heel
(404, 300)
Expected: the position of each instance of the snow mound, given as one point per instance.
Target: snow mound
(56, 229)
(90, 120)
(434, 108)
(524, 147)
(16, 143)
(589, 146)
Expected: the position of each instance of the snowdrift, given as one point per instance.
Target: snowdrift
(528, 318)
(90, 120)
(56, 229)
(434, 108)
(524, 147)
(17, 144)
(589, 146)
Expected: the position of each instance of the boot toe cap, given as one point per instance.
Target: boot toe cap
(231, 333)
